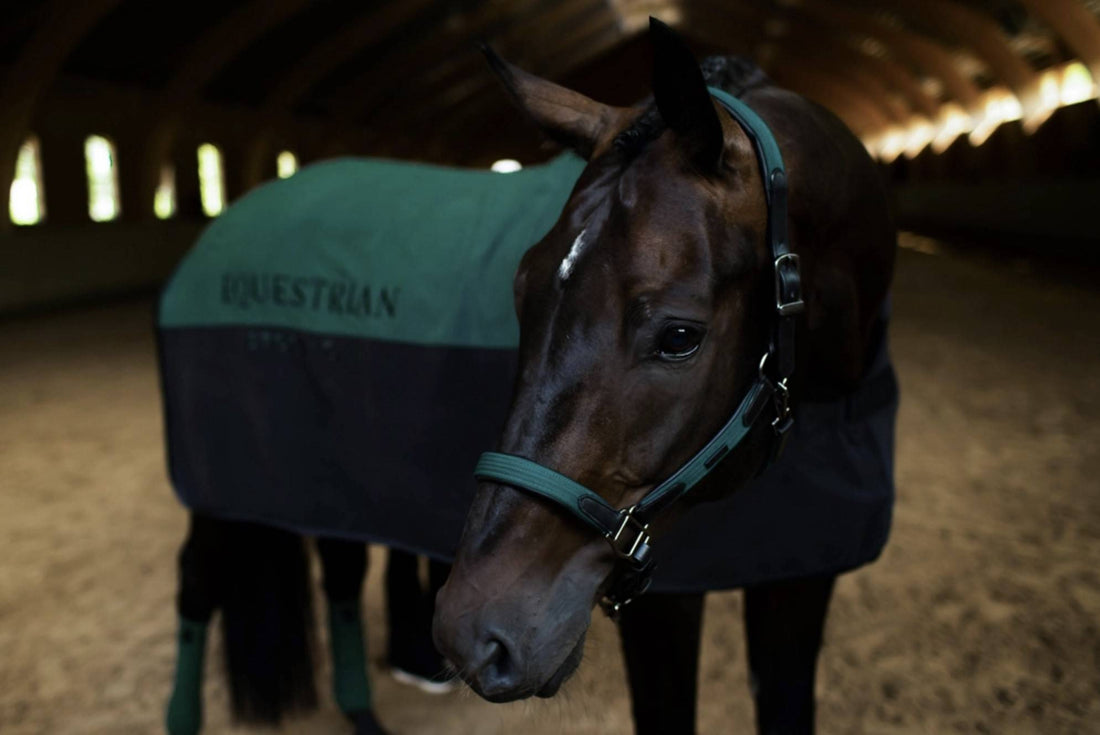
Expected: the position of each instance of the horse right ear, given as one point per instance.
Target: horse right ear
(566, 116)
(682, 97)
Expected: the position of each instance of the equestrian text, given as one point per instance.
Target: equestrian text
(244, 290)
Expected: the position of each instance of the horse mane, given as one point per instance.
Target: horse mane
(733, 74)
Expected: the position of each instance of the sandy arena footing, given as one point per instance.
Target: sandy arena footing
(983, 615)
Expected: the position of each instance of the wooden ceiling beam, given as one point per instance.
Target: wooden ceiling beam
(981, 34)
(371, 27)
(453, 108)
(921, 53)
(473, 64)
(850, 69)
(376, 87)
(589, 42)
(223, 42)
(207, 55)
(34, 71)
(846, 100)
(858, 60)
(578, 45)
(1079, 28)
(860, 83)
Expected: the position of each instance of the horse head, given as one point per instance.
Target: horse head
(644, 313)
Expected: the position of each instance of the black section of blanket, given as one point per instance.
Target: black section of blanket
(824, 507)
(376, 441)
(330, 435)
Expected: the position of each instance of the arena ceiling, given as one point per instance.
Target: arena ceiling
(904, 74)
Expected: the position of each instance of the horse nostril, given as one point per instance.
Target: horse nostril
(498, 675)
(498, 660)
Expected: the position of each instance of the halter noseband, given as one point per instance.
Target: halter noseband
(627, 529)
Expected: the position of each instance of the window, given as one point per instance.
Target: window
(211, 180)
(26, 204)
(1077, 84)
(286, 164)
(506, 166)
(99, 162)
(164, 201)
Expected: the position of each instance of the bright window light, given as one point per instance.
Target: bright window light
(506, 166)
(1077, 84)
(953, 122)
(1000, 106)
(211, 180)
(892, 144)
(286, 164)
(919, 134)
(164, 202)
(26, 205)
(633, 19)
(1058, 86)
(1050, 90)
(99, 162)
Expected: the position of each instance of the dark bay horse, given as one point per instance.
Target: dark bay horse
(644, 315)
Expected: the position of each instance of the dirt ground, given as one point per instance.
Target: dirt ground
(982, 615)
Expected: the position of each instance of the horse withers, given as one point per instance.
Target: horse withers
(661, 304)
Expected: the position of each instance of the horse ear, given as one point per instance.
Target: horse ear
(566, 116)
(682, 97)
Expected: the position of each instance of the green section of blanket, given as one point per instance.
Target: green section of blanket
(371, 248)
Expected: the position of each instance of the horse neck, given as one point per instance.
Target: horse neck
(842, 228)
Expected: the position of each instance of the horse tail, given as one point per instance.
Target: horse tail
(267, 621)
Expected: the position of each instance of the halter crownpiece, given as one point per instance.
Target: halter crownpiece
(627, 529)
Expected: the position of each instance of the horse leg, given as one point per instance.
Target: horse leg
(409, 609)
(660, 640)
(344, 564)
(196, 601)
(402, 608)
(784, 623)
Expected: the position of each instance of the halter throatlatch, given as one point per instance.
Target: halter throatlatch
(627, 529)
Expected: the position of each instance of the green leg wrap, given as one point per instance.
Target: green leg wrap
(184, 715)
(349, 657)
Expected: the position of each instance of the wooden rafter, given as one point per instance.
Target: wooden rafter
(985, 38)
(442, 85)
(35, 70)
(375, 87)
(454, 109)
(210, 53)
(845, 68)
(1079, 28)
(919, 52)
(857, 109)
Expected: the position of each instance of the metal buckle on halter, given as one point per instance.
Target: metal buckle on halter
(781, 400)
(783, 418)
(634, 549)
(793, 305)
(624, 591)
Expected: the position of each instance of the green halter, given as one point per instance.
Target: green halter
(626, 529)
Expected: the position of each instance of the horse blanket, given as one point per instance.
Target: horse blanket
(339, 347)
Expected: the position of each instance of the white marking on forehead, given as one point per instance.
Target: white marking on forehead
(574, 252)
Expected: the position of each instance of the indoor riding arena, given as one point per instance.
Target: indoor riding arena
(129, 128)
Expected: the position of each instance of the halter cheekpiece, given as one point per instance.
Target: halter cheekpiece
(627, 529)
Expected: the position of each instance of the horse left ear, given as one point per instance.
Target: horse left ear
(566, 116)
(682, 97)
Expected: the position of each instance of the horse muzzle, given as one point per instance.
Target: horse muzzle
(501, 657)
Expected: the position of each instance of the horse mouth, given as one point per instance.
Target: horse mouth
(567, 669)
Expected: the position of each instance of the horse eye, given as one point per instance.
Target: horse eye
(679, 341)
